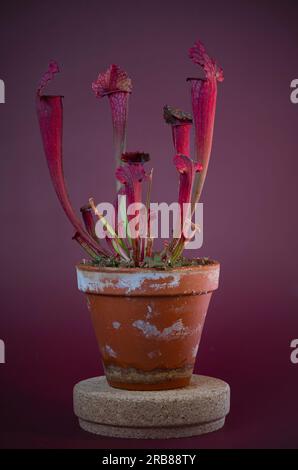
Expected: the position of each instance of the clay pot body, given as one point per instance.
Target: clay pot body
(148, 323)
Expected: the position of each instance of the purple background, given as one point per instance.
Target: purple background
(250, 212)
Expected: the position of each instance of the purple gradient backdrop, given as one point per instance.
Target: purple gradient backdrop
(250, 213)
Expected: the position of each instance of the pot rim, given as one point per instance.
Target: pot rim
(101, 269)
(148, 281)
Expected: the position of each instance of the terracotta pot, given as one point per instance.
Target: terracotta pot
(148, 322)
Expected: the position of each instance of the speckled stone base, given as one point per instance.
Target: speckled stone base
(197, 409)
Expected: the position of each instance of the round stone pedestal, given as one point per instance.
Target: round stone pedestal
(197, 409)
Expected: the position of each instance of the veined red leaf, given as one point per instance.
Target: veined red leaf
(187, 169)
(181, 125)
(203, 94)
(115, 84)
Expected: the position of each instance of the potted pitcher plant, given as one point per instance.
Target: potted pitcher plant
(148, 307)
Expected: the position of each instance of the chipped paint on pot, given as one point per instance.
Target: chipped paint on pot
(99, 282)
(109, 351)
(148, 323)
(171, 332)
(146, 282)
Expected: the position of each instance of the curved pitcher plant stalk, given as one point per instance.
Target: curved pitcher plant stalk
(50, 116)
(118, 246)
(203, 95)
